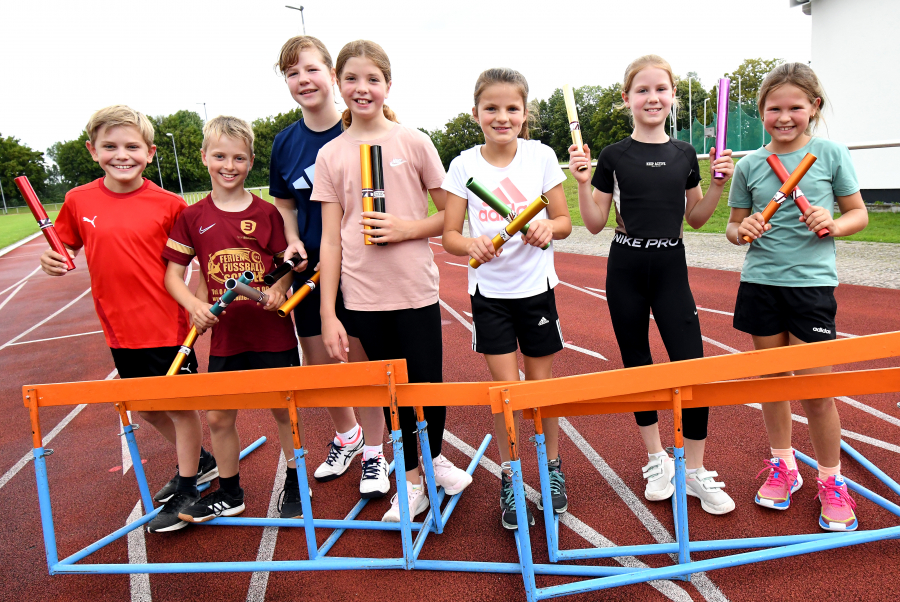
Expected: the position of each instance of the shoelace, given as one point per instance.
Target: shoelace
(285, 497)
(334, 452)
(557, 481)
(215, 502)
(371, 468)
(778, 475)
(835, 495)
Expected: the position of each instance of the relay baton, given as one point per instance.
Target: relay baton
(279, 272)
(801, 201)
(479, 190)
(217, 308)
(786, 188)
(299, 295)
(574, 124)
(43, 221)
(516, 225)
(722, 121)
(368, 195)
(246, 290)
(378, 183)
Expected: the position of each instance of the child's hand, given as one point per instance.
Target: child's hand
(540, 233)
(579, 157)
(753, 226)
(334, 336)
(53, 263)
(817, 218)
(276, 294)
(723, 164)
(386, 227)
(300, 249)
(482, 250)
(201, 317)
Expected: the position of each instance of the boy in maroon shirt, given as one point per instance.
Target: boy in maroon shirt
(229, 232)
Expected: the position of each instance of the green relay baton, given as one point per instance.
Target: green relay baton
(481, 191)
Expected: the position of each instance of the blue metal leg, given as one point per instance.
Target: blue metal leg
(856, 487)
(403, 500)
(523, 540)
(43, 487)
(428, 467)
(549, 515)
(305, 503)
(138, 467)
(888, 481)
(681, 515)
(448, 510)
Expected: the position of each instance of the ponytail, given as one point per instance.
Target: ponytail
(347, 116)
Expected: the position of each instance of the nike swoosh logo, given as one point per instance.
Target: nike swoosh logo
(397, 162)
(202, 230)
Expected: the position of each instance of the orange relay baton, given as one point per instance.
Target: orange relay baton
(368, 193)
(288, 306)
(786, 189)
(801, 201)
(514, 226)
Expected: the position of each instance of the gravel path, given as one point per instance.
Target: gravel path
(864, 263)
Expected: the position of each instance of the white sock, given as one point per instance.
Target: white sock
(662, 454)
(371, 451)
(690, 470)
(348, 437)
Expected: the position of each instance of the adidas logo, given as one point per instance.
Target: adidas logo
(822, 330)
(543, 321)
(300, 183)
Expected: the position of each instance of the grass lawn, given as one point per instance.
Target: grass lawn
(15, 227)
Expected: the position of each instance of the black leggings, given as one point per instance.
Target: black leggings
(637, 281)
(413, 335)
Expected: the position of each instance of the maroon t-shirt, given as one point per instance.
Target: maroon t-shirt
(226, 244)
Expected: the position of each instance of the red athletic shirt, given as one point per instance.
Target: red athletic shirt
(123, 236)
(226, 244)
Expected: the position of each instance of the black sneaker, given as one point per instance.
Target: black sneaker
(167, 519)
(289, 502)
(217, 503)
(557, 488)
(508, 504)
(207, 471)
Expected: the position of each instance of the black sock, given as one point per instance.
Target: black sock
(187, 485)
(291, 478)
(231, 485)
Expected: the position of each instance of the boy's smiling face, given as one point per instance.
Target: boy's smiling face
(123, 154)
(228, 161)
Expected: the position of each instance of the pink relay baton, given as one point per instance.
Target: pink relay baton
(722, 120)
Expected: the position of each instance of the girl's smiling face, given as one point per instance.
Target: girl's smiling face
(651, 97)
(363, 87)
(788, 113)
(310, 80)
(501, 113)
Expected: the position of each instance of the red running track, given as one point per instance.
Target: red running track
(602, 457)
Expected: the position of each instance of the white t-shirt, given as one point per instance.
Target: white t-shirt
(522, 270)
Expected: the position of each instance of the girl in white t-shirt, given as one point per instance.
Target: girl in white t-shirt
(513, 305)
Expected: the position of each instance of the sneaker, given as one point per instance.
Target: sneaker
(168, 519)
(448, 476)
(780, 484)
(837, 505)
(557, 488)
(289, 502)
(418, 502)
(217, 503)
(659, 473)
(338, 460)
(207, 471)
(508, 517)
(702, 484)
(374, 482)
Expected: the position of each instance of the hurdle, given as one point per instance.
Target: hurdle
(703, 382)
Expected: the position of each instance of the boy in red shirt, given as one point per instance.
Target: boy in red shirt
(229, 232)
(123, 222)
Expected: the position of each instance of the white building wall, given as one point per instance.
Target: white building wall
(856, 55)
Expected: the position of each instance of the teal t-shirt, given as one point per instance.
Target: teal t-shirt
(789, 254)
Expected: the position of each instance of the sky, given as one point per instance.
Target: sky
(61, 60)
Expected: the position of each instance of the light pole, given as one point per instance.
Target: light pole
(705, 100)
(4, 198)
(302, 20)
(690, 113)
(205, 118)
(740, 110)
(177, 168)
(159, 169)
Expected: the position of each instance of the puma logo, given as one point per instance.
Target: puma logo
(90, 221)
(202, 229)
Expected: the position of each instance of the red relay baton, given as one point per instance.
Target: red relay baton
(43, 220)
(801, 201)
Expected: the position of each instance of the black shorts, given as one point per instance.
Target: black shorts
(502, 325)
(806, 312)
(153, 361)
(254, 360)
(307, 319)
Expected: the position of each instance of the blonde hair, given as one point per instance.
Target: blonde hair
(638, 65)
(800, 76)
(116, 115)
(290, 52)
(376, 54)
(505, 75)
(232, 127)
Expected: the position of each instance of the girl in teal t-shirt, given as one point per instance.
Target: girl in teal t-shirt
(786, 296)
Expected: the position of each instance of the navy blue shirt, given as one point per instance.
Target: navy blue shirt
(291, 174)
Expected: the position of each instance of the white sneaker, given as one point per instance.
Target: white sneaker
(418, 502)
(338, 460)
(702, 484)
(448, 476)
(374, 482)
(659, 473)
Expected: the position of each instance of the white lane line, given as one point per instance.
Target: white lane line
(126, 455)
(45, 320)
(11, 295)
(703, 584)
(596, 290)
(21, 281)
(47, 439)
(137, 554)
(437, 244)
(667, 588)
(719, 345)
(583, 290)
(461, 265)
(870, 410)
(584, 351)
(65, 336)
(259, 581)
(453, 313)
(467, 313)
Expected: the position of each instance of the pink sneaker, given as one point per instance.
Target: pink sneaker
(837, 505)
(780, 484)
(448, 476)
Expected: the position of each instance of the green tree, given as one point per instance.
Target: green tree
(17, 159)
(264, 130)
(76, 167)
(437, 138)
(460, 133)
(608, 123)
(187, 129)
(752, 72)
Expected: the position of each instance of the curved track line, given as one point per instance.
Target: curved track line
(67, 336)
(45, 320)
(12, 294)
(21, 281)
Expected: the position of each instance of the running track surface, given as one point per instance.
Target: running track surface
(602, 459)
